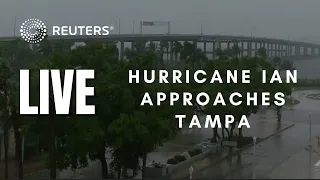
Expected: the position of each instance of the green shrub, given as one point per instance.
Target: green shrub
(179, 158)
(176, 159)
(172, 161)
(195, 152)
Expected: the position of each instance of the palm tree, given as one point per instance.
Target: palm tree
(287, 65)
(177, 48)
(5, 75)
(235, 50)
(262, 52)
(192, 55)
(152, 46)
(164, 45)
(276, 61)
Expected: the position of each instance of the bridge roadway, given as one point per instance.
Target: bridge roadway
(177, 37)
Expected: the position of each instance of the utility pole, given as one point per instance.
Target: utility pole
(14, 26)
(310, 143)
(254, 157)
(201, 29)
(118, 23)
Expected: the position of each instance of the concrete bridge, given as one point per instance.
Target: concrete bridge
(248, 45)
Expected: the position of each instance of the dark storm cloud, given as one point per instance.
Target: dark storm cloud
(294, 19)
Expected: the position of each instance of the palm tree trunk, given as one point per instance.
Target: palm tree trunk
(6, 148)
(1, 136)
(240, 132)
(6, 135)
(144, 163)
(18, 149)
(53, 165)
(167, 52)
(104, 165)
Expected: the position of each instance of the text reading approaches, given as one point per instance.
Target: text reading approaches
(218, 98)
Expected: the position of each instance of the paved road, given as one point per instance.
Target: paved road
(269, 154)
(299, 113)
(301, 166)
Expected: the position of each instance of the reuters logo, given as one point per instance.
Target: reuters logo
(33, 30)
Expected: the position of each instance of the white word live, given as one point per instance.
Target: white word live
(62, 95)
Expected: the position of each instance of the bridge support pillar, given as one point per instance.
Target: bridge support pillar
(305, 51)
(313, 51)
(171, 53)
(255, 51)
(213, 50)
(220, 45)
(274, 50)
(205, 48)
(277, 50)
(280, 50)
(228, 45)
(121, 50)
(289, 47)
(297, 51)
(248, 49)
(242, 48)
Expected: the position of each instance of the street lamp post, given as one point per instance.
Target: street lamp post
(292, 95)
(14, 26)
(22, 145)
(254, 158)
(310, 143)
(118, 23)
(201, 29)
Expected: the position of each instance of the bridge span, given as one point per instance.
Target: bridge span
(248, 45)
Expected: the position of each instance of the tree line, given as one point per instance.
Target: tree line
(121, 126)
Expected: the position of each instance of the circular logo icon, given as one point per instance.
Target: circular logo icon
(33, 30)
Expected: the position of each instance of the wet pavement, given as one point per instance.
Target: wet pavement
(275, 150)
(272, 152)
(259, 129)
(268, 155)
(302, 165)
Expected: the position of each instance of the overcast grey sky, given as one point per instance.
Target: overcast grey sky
(294, 19)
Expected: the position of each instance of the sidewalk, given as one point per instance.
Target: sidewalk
(269, 154)
(298, 166)
(259, 129)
